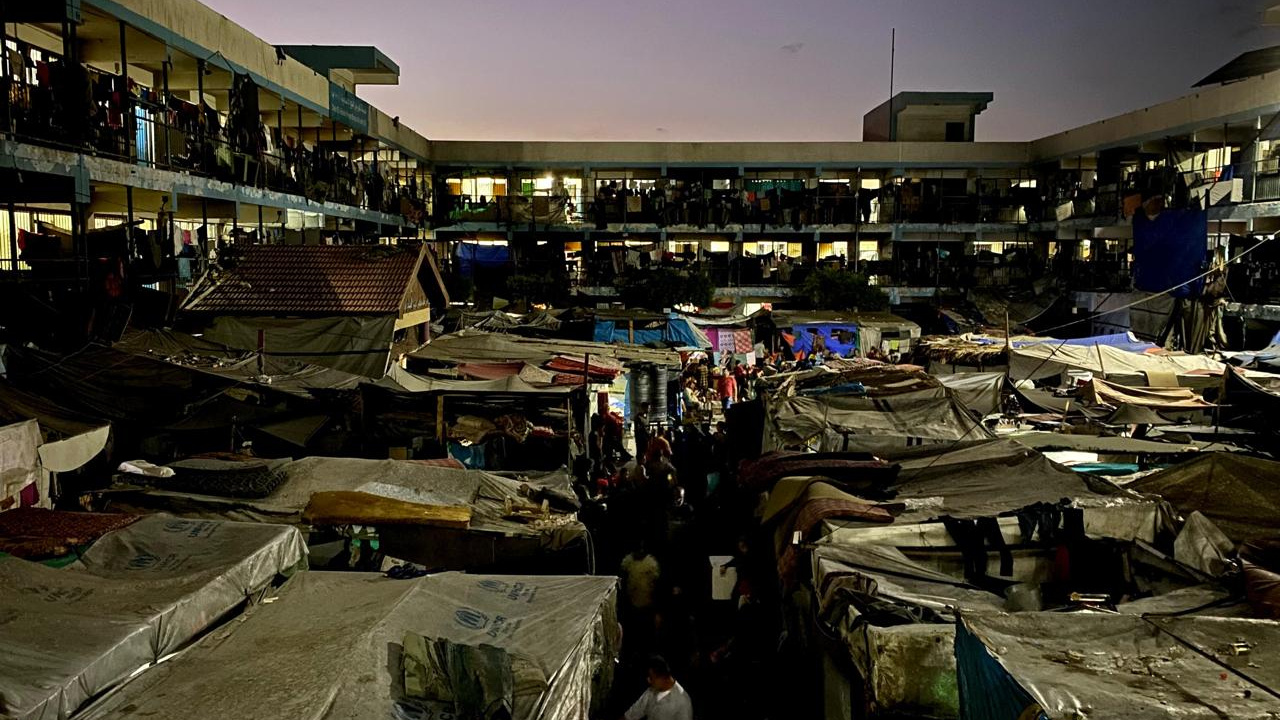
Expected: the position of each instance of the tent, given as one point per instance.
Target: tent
(849, 333)
(1065, 666)
(1101, 392)
(980, 392)
(351, 645)
(673, 329)
(842, 423)
(490, 537)
(1240, 494)
(1041, 361)
(476, 346)
(138, 594)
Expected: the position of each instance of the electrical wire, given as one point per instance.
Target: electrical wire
(1152, 296)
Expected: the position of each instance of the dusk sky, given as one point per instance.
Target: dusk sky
(762, 69)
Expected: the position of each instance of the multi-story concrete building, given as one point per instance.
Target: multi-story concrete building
(165, 116)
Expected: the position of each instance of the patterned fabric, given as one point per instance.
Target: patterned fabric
(34, 532)
(742, 342)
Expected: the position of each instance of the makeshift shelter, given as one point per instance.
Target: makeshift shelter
(500, 424)
(29, 465)
(848, 333)
(1247, 404)
(983, 526)
(1101, 392)
(158, 406)
(980, 392)
(1239, 493)
(340, 306)
(475, 346)
(278, 374)
(136, 595)
(492, 535)
(842, 423)
(360, 646)
(671, 329)
(1042, 361)
(1062, 666)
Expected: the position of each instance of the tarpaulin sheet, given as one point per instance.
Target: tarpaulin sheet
(1122, 341)
(979, 479)
(675, 330)
(73, 452)
(200, 354)
(474, 255)
(400, 379)
(1240, 494)
(980, 392)
(355, 345)
(19, 460)
(1100, 391)
(136, 595)
(1115, 666)
(1037, 362)
(403, 480)
(1169, 251)
(330, 647)
(471, 346)
(1246, 404)
(840, 338)
(872, 424)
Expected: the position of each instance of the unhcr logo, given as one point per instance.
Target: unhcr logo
(143, 561)
(177, 526)
(471, 618)
(492, 585)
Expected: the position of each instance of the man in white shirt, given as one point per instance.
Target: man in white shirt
(664, 700)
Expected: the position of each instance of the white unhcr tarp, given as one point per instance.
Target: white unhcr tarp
(330, 647)
(138, 594)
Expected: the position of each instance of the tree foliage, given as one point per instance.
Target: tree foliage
(661, 288)
(836, 289)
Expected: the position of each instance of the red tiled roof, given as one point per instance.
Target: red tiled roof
(311, 280)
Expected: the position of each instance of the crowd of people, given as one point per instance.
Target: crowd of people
(699, 604)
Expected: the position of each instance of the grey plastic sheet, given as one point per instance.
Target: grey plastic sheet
(1093, 665)
(839, 423)
(411, 481)
(330, 646)
(137, 594)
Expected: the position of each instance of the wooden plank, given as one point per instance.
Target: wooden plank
(356, 508)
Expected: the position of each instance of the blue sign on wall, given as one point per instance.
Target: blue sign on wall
(348, 109)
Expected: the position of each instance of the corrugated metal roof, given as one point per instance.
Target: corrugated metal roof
(311, 280)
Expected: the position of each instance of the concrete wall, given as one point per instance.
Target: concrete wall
(731, 154)
(200, 25)
(928, 123)
(1208, 107)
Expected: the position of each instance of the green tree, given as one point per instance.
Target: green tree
(546, 288)
(835, 289)
(665, 287)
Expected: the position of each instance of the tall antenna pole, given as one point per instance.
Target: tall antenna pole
(893, 51)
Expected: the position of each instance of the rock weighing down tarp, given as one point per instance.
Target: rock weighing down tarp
(1065, 666)
(136, 595)
(331, 646)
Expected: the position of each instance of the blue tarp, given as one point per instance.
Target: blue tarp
(675, 330)
(1121, 341)
(474, 255)
(1169, 250)
(830, 333)
(987, 692)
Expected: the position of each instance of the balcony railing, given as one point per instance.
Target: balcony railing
(78, 108)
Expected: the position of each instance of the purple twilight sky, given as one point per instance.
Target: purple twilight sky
(762, 69)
